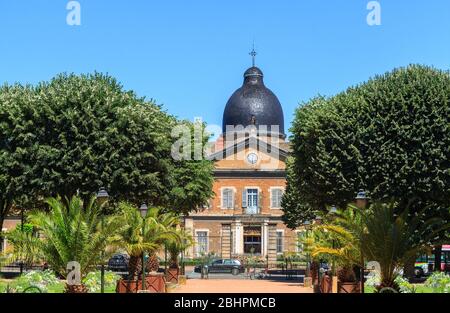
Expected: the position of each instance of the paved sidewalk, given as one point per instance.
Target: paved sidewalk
(240, 286)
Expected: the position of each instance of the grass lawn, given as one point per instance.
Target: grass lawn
(59, 288)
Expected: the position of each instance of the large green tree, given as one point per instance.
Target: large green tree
(389, 136)
(77, 133)
(16, 135)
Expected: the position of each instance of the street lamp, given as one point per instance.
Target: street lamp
(308, 262)
(22, 221)
(362, 199)
(143, 211)
(102, 198)
(333, 212)
(361, 202)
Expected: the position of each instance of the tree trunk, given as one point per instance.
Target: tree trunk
(437, 258)
(5, 206)
(152, 263)
(2, 219)
(409, 269)
(134, 267)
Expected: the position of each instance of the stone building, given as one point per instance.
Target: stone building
(244, 217)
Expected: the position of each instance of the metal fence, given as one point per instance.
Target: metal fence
(210, 247)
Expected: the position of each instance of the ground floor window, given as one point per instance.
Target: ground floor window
(202, 242)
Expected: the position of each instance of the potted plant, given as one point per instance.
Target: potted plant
(64, 221)
(175, 247)
(335, 242)
(138, 237)
(347, 282)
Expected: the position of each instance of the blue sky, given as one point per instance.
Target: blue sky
(190, 55)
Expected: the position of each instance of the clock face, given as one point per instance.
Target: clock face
(252, 158)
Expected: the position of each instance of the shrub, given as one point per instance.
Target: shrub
(403, 284)
(39, 279)
(439, 282)
(93, 280)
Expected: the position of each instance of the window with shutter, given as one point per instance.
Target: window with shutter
(227, 198)
(276, 196)
(244, 198)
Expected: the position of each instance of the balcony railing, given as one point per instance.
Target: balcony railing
(252, 210)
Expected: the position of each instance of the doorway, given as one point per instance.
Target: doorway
(252, 239)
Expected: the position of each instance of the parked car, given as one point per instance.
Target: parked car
(119, 263)
(230, 266)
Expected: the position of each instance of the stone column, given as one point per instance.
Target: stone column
(265, 238)
(226, 248)
(272, 243)
(238, 231)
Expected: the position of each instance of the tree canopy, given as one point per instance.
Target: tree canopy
(77, 133)
(389, 136)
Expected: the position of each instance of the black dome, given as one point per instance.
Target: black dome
(254, 104)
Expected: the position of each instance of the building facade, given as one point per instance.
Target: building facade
(244, 217)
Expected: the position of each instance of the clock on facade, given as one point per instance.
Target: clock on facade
(252, 158)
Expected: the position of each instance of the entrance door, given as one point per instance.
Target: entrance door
(252, 239)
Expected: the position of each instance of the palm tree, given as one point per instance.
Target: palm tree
(23, 247)
(391, 239)
(140, 236)
(179, 245)
(337, 240)
(380, 235)
(72, 231)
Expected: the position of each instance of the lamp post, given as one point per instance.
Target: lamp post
(306, 225)
(102, 198)
(361, 202)
(143, 210)
(334, 279)
(362, 199)
(22, 220)
(333, 211)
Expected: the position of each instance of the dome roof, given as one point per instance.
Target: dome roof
(254, 104)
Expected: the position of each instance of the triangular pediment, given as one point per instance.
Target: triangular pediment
(251, 154)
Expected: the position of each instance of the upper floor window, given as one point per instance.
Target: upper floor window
(275, 198)
(227, 198)
(251, 200)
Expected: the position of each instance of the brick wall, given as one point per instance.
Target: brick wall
(238, 185)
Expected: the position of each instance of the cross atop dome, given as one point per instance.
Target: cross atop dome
(253, 53)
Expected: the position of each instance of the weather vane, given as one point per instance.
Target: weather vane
(253, 54)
